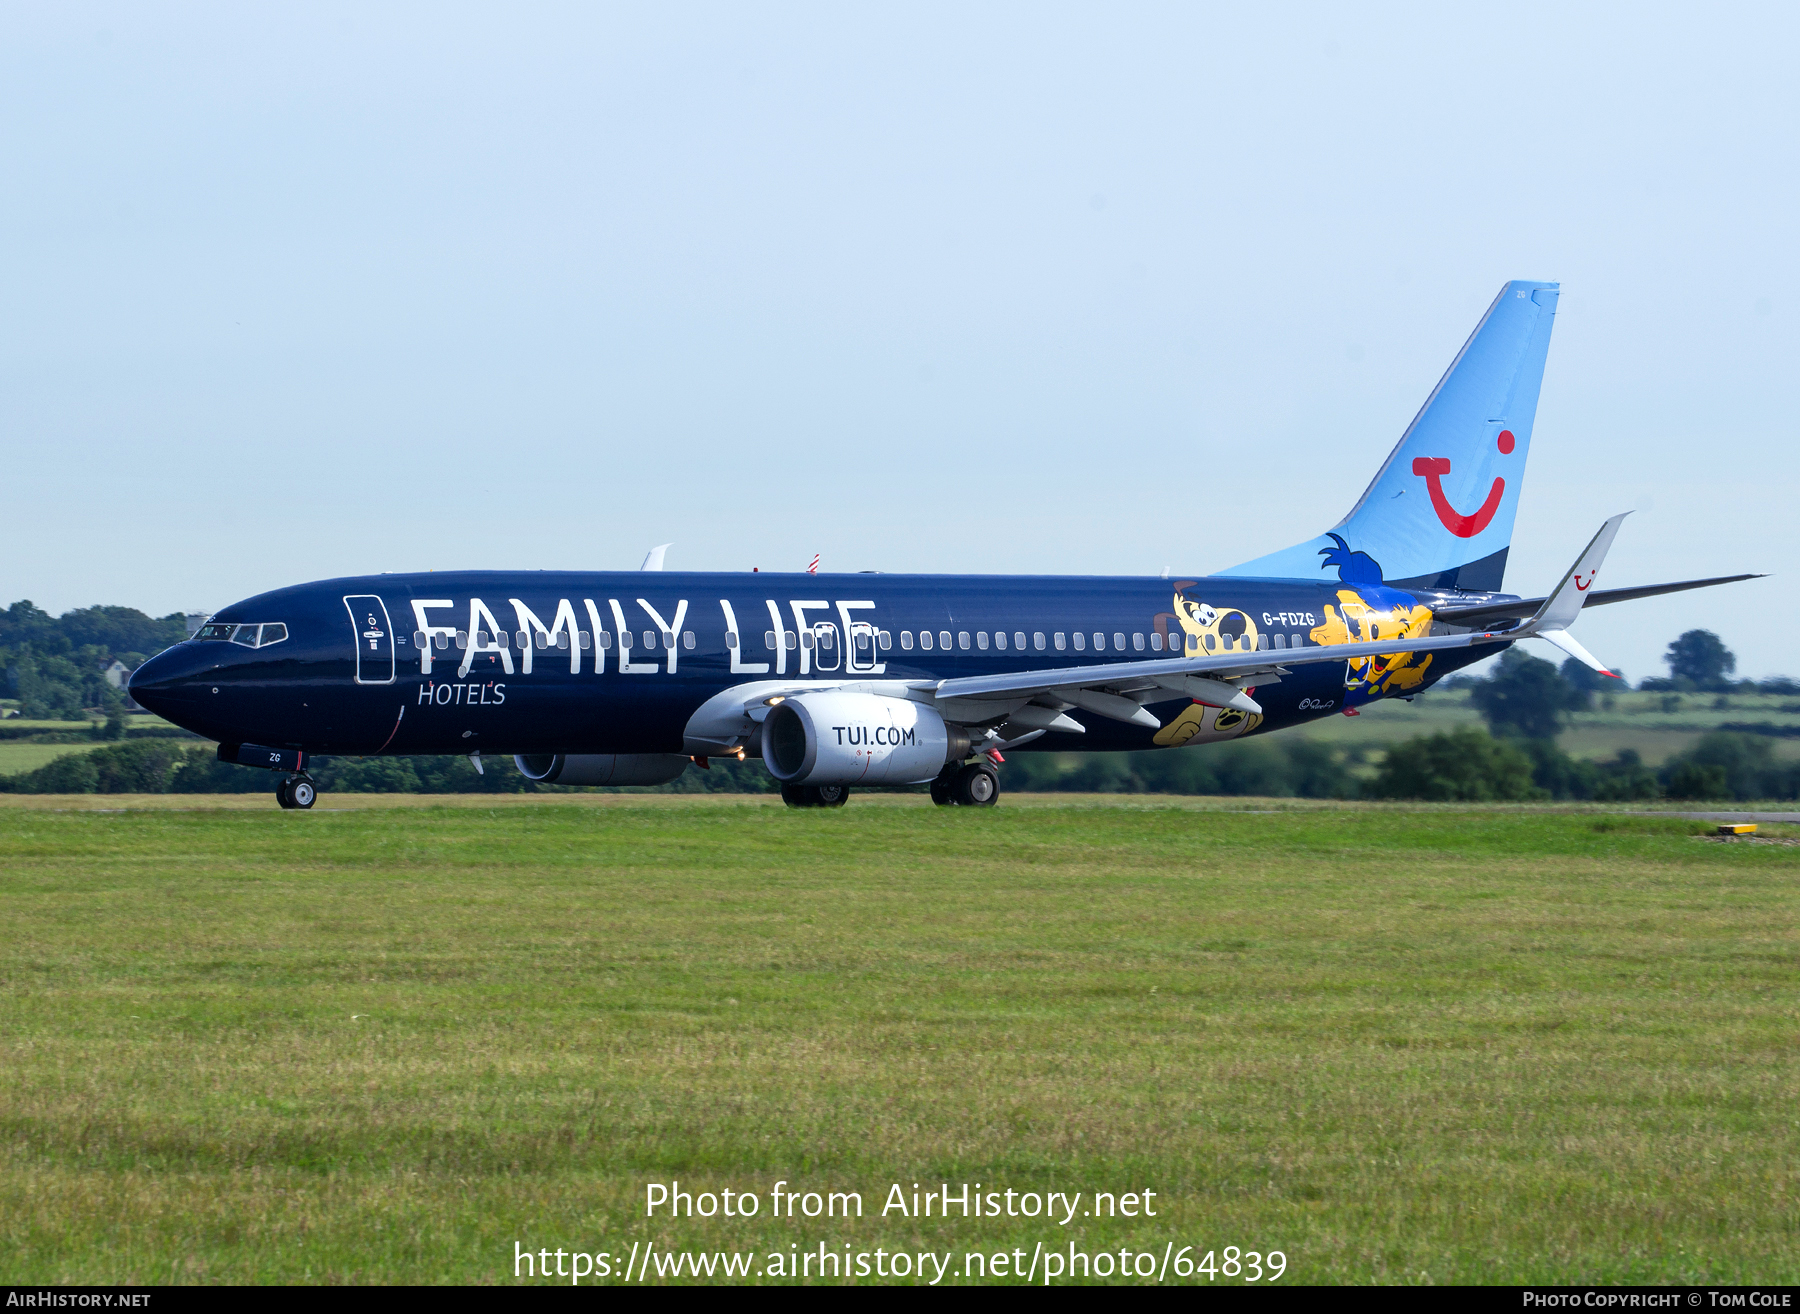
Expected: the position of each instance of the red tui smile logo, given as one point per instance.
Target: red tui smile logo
(1434, 468)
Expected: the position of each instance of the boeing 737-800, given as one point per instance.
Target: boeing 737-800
(871, 679)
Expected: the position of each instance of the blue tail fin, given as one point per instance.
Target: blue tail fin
(1440, 513)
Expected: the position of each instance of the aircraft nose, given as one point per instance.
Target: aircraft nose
(159, 684)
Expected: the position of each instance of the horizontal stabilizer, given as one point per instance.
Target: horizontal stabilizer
(1518, 608)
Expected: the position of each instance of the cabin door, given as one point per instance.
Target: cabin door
(374, 638)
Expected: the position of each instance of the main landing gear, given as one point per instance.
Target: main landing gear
(974, 786)
(815, 796)
(297, 792)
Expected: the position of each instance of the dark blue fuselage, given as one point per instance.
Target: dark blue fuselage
(349, 676)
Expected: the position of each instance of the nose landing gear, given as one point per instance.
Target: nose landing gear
(296, 792)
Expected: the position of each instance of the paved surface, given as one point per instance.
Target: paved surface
(1732, 816)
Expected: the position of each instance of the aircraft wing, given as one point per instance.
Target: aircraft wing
(1120, 690)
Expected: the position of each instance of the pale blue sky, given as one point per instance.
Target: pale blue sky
(1086, 289)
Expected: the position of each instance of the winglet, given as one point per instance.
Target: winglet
(1566, 641)
(653, 559)
(1565, 602)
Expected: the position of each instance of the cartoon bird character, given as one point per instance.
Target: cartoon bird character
(1369, 611)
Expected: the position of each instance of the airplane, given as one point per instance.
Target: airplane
(846, 681)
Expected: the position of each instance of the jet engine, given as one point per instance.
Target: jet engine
(833, 738)
(601, 768)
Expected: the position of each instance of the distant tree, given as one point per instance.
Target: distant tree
(1525, 696)
(1695, 780)
(1463, 765)
(120, 629)
(1699, 658)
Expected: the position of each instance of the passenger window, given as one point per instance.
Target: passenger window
(1080, 641)
(769, 640)
(604, 639)
(1119, 643)
(687, 639)
(862, 641)
(1037, 640)
(668, 640)
(586, 639)
(443, 642)
(887, 640)
(1137, 641)
(731, 639)
(962, 640)
(981, 640)
(1000, 640)
(650, 640)
(1281, 640)
(1156, 643)
(1061, 641)
(806, 639)
(944, 640)
(906, 640)
(791, 639)
(419, 638)
(462, 639)
(1099, 642)
(925, 640)
(624, 640)
(1210, 643)
(1296, 640)
(827, 638)
(1019, 640)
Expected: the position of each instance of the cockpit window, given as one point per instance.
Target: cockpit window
(249, 636)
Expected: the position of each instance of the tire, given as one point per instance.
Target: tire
(282, 796)
(829, 796)
(303, 793)
(940, 793)
(795, 796)
(976, 787)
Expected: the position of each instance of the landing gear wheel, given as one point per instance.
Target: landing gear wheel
(976, 787)
(795, 796)
(282, 794)
(941, 793)
(303, 792)
(829, 796)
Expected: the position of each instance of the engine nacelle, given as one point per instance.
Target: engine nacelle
(601, 768)
(832, 738)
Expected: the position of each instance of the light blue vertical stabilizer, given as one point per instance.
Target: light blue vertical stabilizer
(1440, 513)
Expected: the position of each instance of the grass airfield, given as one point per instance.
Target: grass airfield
(385, 1042)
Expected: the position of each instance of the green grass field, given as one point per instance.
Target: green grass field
(388, 1042)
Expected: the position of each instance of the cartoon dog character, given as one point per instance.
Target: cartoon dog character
(1213, 629)
(1204, 723)
(1210, 629)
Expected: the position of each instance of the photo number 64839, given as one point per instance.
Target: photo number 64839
(1250, 1265)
